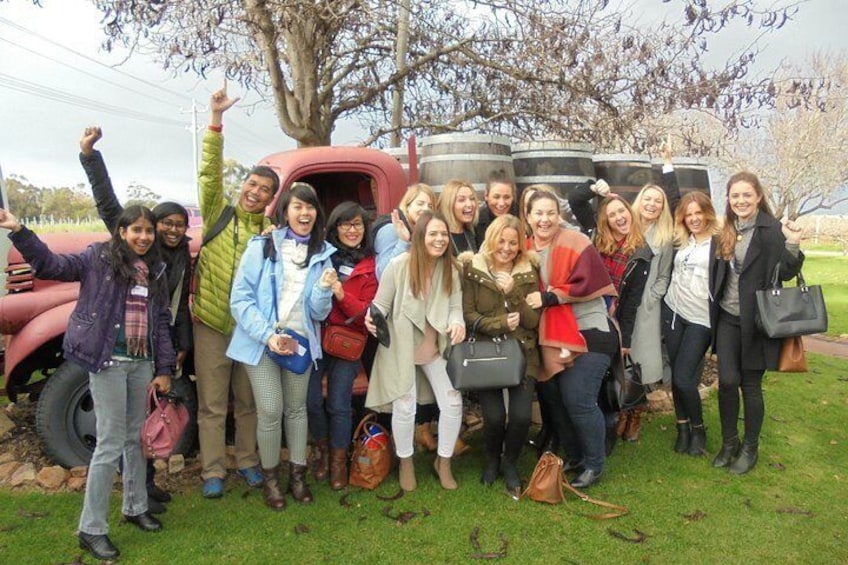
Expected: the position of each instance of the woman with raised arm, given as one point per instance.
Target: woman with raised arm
(421, 298)
(331, 420)
(171, 226)
(752, 242)
(119, 333)
(686, 315)
(283, 289)
(495, 283)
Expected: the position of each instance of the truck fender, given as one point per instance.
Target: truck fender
(41, 329)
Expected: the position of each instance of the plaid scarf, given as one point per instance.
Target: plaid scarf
(135, 313)
(616, 263)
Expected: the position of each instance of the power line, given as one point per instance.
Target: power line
(92, 75)
(42, 91)
(91, 59)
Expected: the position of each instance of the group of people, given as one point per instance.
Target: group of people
(632, 278)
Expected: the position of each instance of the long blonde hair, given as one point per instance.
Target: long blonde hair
(448, 198)
(663, 232)
(412, 193)
(604, 238)
(420, 261)
(681, 232)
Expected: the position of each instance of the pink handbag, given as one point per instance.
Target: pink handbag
(164, 426)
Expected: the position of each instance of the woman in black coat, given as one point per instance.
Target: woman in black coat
(751, 244)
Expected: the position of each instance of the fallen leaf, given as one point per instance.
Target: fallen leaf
(639, 538)
(343, 501)
(301, 529)
(30, 514)
(833, 442)
(474, 538)
(396, 496)
(695, 516)
(795, 510)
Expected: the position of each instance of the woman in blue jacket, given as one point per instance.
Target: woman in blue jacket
(284, 281)
(119, 333)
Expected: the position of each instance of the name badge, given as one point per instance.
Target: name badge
(345, 270)
(139, 290)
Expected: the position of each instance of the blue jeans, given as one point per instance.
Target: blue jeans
(686, 343)
(332, 418)
(120, 398)
(578, 419)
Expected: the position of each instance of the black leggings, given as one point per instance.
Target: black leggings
(686, 343)
(732, 377)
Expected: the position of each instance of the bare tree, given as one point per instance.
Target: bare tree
(526, 68)
(799, 150)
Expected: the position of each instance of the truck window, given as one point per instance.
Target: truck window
(334, 188)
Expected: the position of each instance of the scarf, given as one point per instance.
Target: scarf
(616, 263)
(302, 239)
(576, 273)
(135, 312)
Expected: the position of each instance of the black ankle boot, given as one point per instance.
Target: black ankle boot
(697, 441)
(746, 460)
(728, 451)
(491, 470)
(683, 438)
(512, 478)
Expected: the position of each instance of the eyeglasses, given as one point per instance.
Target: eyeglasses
(169, 225)
(348, 226)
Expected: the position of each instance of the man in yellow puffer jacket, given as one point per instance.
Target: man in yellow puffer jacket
(213, 324)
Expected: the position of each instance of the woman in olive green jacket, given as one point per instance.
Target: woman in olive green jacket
(495, 283)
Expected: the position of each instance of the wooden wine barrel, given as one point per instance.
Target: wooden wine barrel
(466, 156)
(625, 173)
(560, 164)
(692, 174)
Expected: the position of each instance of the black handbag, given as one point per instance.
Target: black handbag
(622, 389)
(486, 363)
(791, 311)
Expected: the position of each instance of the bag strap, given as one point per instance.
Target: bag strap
(361, 426)
(227, 214)
(617, 512)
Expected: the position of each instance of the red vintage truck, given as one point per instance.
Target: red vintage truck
(35, 313)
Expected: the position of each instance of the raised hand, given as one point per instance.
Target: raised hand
(90, 136)
(9, 221)
(601, 188)
(220, 103)
(400, 227)
(791, 231)
(666, 150)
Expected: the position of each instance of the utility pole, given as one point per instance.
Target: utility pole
(194, 144)
(401, 47)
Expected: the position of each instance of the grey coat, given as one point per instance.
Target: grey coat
(394, 369)
(646, 342)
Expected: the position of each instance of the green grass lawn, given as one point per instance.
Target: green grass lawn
(832, 274)
(793, 508)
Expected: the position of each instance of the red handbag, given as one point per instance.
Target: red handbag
(343, 342)
(164, 426)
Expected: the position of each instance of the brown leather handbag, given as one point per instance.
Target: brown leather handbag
(372, 456)
(793, 359)
(547, 482)
(343, 342)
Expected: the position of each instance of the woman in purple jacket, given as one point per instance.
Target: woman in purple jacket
(119, 333)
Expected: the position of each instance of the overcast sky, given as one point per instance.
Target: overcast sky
(146, 113)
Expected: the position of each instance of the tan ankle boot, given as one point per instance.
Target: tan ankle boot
(621, 425)
(406, 474)
(634, 424)
(320, 465)
(442, 468)
(338, 468)
(424, 439)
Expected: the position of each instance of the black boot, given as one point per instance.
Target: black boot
(513, 442)
(697, 441)
(491, 470)
(746, 460)
(728, 451)
(297, 483)
(683, 437)
(493, 438)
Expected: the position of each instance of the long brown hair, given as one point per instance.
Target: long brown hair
(681, 232)
(727, 236)
(420, 262)
(605, 240)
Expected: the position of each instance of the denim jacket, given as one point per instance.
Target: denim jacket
(94, 324)
(252, 303)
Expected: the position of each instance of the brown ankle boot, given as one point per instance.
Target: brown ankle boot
(406, 474)
(460, 447)
(442, 468)
(621, 425)
(321, 462)
(338, 468)
(424, 439)
(274, 497)
(297, 483)
(634, 424)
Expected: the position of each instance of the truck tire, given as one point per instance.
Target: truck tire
(64, 417)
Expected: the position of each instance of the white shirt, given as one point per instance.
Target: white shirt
(689, 292)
